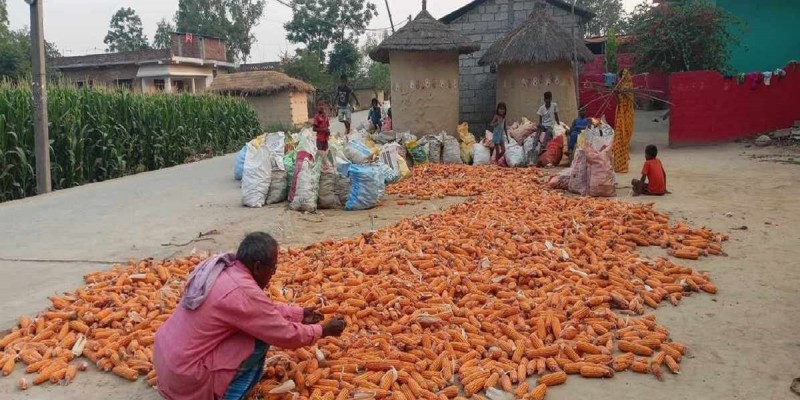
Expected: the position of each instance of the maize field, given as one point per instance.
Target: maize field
(517, 290)
(98, 134)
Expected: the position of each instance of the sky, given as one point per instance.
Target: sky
(78, 27)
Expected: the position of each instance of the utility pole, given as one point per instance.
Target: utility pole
(389, 12)
(39, 88)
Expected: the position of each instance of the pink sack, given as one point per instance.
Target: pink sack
(578, 180)
(600, 171)
(560, 181)
(302, 157)
(520, 132)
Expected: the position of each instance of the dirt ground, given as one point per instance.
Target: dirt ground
(743, 341)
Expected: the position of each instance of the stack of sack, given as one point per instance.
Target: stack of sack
(261, 168)
(592, 169)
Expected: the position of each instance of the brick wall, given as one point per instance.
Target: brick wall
(485, 24)
(103, 76)
(214, 48)
(708, 108)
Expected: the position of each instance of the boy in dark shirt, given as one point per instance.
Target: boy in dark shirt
(343, 96)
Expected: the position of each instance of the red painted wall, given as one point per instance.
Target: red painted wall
(707, 108)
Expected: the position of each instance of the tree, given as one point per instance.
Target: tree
(345, 59)
(377, 74)
(3, 17)
(683, 37)
(15, 54)
(231, 20)
(307, 66)
(609, 14)
(320, 23)
(125, 32)
(163, 36)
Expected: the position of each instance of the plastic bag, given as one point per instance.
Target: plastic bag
(417, 151)
(405, 172)
(289, 160)
(328, 197)
(238, 166)
(553, 154)
(306, 185)
(515, 155)
(358, 152)
(255, 176)
(531, 153)
(382, 138)
(389, 175)
(278, 187)
(452, 150)
(389, 155)
(433, 148)
(481, 155)
(522, 130)
(578, 180)
(276, 142)
(560, 181)
(303, 157)
(600, 172)
(366, 187)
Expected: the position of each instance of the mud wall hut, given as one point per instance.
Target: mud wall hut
(278, 99)
(533, 59)
(423, 63)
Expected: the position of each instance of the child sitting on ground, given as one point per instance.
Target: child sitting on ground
(654, 178)
(578, 125)
(322, 127)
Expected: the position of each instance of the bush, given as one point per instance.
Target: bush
(99, 134)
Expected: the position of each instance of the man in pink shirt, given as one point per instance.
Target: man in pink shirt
(213, 346)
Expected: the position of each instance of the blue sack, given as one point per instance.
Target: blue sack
(238, 168)
(366, 187)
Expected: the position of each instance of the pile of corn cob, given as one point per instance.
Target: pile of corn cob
(521, 282)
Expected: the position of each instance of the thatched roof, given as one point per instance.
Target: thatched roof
(424, 34)
(539, 40)
(257, 83)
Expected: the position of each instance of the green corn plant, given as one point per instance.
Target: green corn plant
(98, 133)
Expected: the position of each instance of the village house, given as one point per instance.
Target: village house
(189, 65)
(487, 21)
(278, 99)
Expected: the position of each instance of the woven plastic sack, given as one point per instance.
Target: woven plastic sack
(255, 176)
(405, 172)
(358, 152)
(417, 151)
(366, 187)
(600, 172)
(327, 191)
(238, 166)
(481, 155)
(553, 153)
(278, 187)
(289, 161)
(467, 140)
(529, 147)
(579, 180)
(306, 185)
(389, 175)
(522, 130)
(560, 181)
(452, 150)
(515, 155)
(433, 148)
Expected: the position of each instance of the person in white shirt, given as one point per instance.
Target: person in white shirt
(548, 118)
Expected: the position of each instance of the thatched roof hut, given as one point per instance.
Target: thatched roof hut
(258, 83)
(424, 34)
(533, 59)
(423, 64)
(279, 100)
(538, 40)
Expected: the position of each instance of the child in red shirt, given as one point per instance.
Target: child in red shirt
(322, 127)
(654, 178)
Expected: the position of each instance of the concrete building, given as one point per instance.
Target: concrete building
(533, 59)
(278, 99)
(423, 63)
(485, 22)
(189, 65)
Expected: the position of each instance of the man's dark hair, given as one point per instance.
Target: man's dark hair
(548, 96)
(374, 101)
(651, 151)
(257, 247)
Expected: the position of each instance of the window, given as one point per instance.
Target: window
(91, 83)
(79, 84)
(124, 83)
(177, 86)
(159, 84)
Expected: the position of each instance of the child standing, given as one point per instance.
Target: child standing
(322, 127)
(343, 97)
(499, 134)
(375, 116)
(654, 178)
(387, 122)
